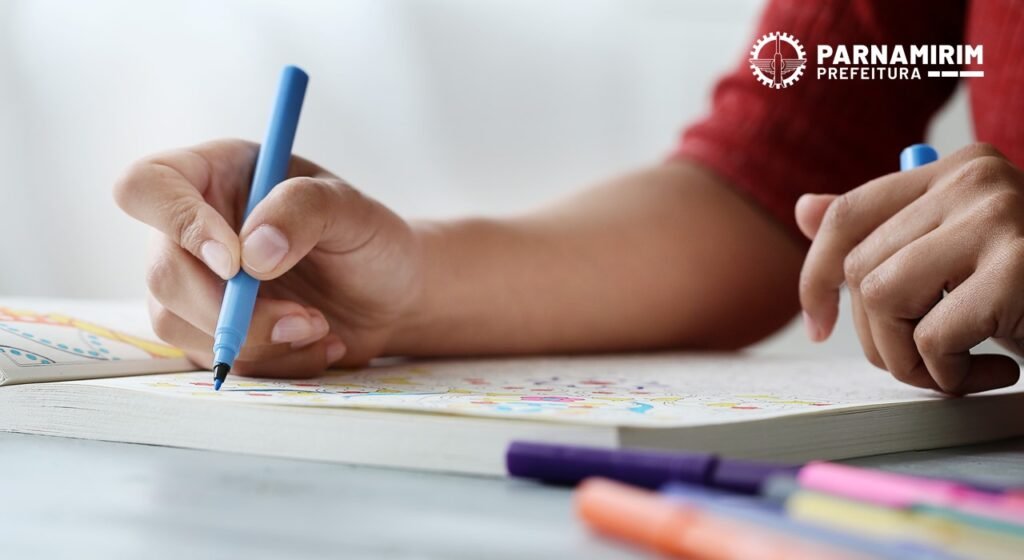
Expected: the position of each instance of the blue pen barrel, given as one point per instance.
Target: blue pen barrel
(276, 150)
(235, 316)
(271, 168)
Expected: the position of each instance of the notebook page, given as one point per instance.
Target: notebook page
(660, 390)
(48, 340)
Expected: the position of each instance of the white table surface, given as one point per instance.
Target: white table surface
(66, 498)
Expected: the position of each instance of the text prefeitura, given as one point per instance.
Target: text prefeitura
(867, 62)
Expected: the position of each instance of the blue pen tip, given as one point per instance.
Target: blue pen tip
(220, 373)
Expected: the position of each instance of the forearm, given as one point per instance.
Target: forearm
(666, 257)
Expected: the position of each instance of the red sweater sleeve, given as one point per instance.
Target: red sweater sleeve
(819, 135)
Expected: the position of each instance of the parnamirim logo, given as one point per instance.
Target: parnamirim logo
(899, 62)
(778, 60)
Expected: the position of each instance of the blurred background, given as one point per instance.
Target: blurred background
(434, 107)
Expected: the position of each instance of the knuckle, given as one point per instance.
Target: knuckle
(1012, 262)
(325, 197)
(300, 186)
(320, 195)
(982, 171)
(140, 176)
(162, 322)
(928, 340)
(344, 194)
(126, 186)
(971, 152)
(306, 192)
(997, 319)
(980, 149)
(807, 287)
(185, 224)
(855, 268)
(839, 213)
(160, 277)
(998, 206)
(874, 290)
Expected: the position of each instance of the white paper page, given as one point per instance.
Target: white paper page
(653, 390)
(43, 340)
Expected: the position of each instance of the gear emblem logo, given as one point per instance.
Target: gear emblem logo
(778, 60)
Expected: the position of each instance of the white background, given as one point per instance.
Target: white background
(435, 107)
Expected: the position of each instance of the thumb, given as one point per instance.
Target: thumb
(300, 214)
(810, 210)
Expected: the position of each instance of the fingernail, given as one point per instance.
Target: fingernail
(335, 351)
(264, 248)
(813, 332)
(320, 330)
(217, 257)
(291, 328)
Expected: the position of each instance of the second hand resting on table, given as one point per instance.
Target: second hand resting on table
(667, 257)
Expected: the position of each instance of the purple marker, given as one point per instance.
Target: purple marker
(566, 464)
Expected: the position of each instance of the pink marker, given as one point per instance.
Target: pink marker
(903, 491)
(878, 487)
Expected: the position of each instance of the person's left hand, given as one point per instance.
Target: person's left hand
(899, 242)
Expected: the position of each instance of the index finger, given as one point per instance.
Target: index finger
(851, 217)
(170, 192)
(848, 221)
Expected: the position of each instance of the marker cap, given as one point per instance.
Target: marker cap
(745, 476)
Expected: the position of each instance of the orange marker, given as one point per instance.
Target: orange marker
(645, 518)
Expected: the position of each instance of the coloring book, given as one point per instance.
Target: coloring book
(48, 345)
(458, 415)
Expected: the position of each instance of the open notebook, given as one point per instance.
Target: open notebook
(460, 415)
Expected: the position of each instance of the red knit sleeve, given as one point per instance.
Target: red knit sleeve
(820, 135)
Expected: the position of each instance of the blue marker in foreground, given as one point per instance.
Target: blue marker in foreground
(271, 169)
(916, 156)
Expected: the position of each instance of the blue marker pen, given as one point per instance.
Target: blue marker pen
(916, 156)
(271, 169)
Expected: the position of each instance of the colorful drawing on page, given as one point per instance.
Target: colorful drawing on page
(614, 397)
(32, 339)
